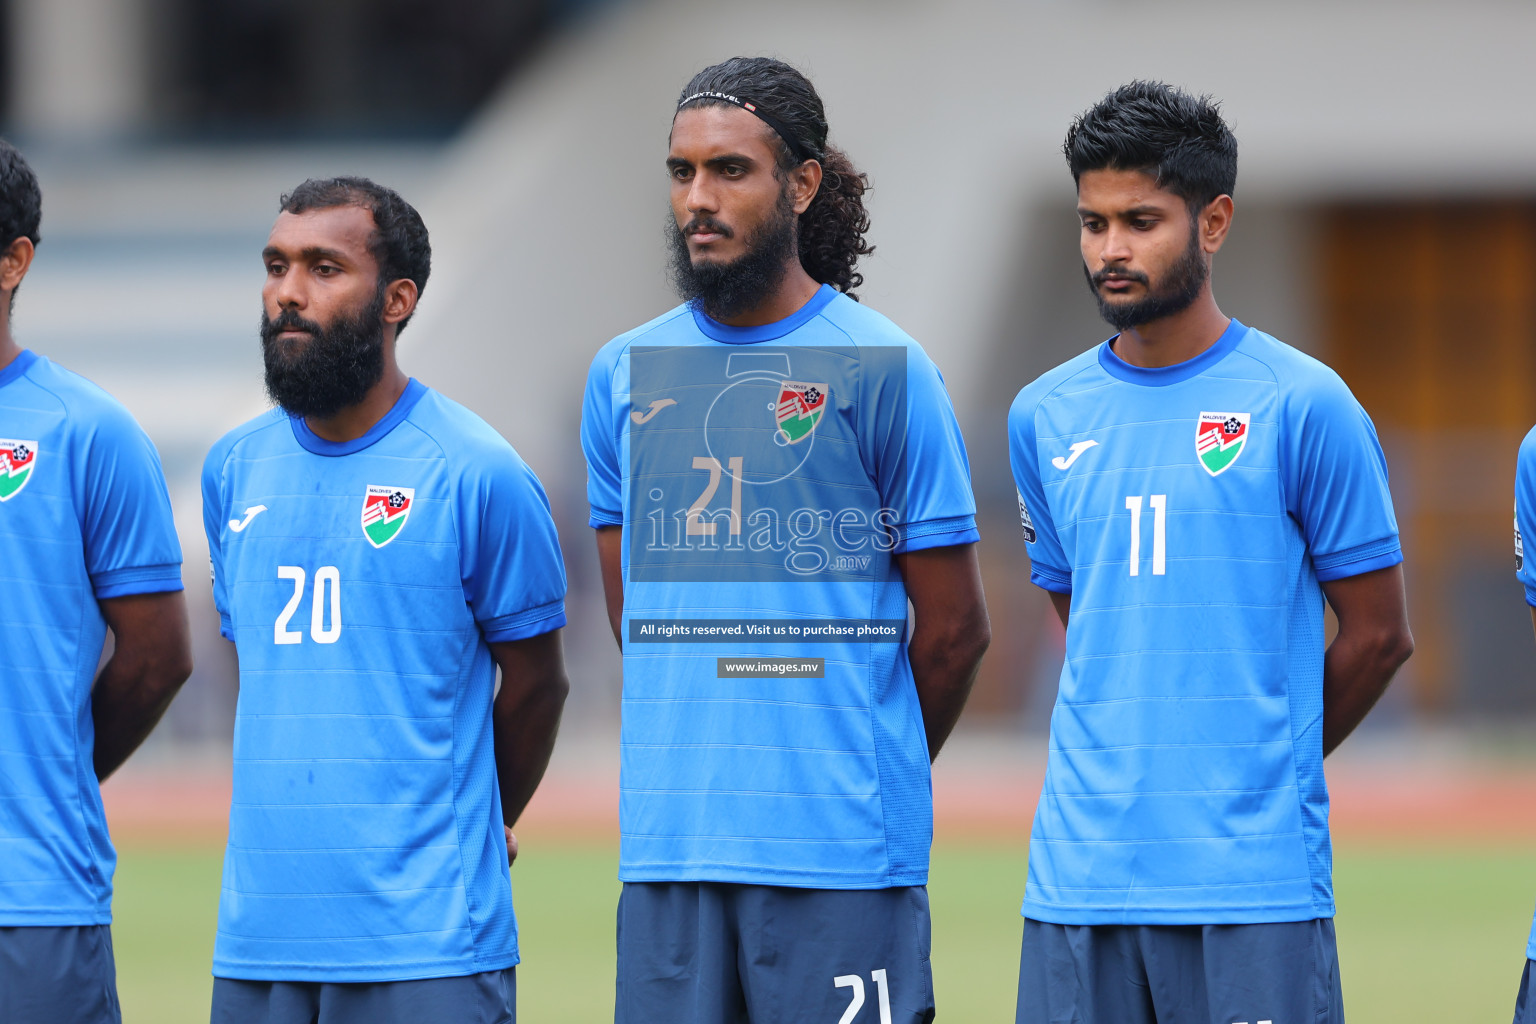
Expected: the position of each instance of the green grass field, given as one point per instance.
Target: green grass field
(1430, 935)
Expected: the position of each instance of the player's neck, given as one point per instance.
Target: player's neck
(1174, 339)
(794, 290)
(354, 421)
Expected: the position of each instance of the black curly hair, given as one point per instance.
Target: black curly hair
(400, 242)
(21, 201)
(1178, 139)
(832, 229)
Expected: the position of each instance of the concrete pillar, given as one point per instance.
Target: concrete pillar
(80, 68)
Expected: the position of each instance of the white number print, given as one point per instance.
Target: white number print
(882, 995)
(1159, 503)
(697, 527)
(325, 604)
(281, 634)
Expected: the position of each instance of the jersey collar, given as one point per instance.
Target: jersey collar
(764, 332)
(18, 366)
(313, 442)
(1162, 376)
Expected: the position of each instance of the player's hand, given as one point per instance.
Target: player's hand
(511, 846)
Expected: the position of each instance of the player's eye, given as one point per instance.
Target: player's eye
(682, 173)
(274, 269)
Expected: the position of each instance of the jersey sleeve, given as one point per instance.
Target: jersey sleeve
(1336, 481)
(130, 534)
(600, 445)
(213, 526)
(1525, 514)
(514, 576)
(1048, 566)
(921, 467)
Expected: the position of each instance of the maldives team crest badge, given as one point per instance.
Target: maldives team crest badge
(17, 460)
(1220, 438)
(385, 510)
(800, 408)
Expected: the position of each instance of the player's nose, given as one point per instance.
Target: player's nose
(702, 197)
(1116, 246)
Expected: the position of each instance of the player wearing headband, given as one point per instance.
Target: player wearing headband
(1192, 492)
(774, 470)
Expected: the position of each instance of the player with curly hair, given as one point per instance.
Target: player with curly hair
(774, 470)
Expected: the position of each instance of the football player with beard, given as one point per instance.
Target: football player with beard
(776, 466)
(1192, 492)
(378, 553)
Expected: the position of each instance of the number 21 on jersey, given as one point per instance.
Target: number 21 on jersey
(1159, 506)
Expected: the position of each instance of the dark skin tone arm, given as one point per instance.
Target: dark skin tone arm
(525, 718)
(1372, 643)
(951, 634)
(151, 658)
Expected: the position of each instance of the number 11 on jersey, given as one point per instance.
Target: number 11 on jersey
(1159, 503)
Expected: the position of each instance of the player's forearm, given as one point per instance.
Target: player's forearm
(944, 661)
(127, 702)
(610, 558)
(1356, 671)
(524, 726)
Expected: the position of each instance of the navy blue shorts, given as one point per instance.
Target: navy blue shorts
(1525, 1003)
(62, 975)
(718, 953)
(1142, 974)
(488, 998)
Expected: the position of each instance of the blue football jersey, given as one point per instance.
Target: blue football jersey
(1191, 512)
(361, 582)
(765, 478)
(84, 516)
(1525, 526)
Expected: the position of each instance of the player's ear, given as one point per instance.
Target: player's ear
(399, 300)
(14, 262)
(806, 182)
(1214, 222)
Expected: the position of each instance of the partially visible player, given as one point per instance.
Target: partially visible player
(378, 552)
(1192, 492)
(777, 467)
(89, 545)
(1525, 526)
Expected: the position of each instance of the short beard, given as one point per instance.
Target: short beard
(725, 290)
(331, 371)
(1175, 293)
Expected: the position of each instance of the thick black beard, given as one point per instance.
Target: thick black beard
(333, 369)
(725, 290)
(1175, 293)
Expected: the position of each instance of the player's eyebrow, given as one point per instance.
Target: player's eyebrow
(309, 254)
(739, 159)
(1143, 210)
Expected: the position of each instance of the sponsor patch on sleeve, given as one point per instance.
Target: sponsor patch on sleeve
(1027, 523)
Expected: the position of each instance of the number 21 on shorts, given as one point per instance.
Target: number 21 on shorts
(882, 993)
